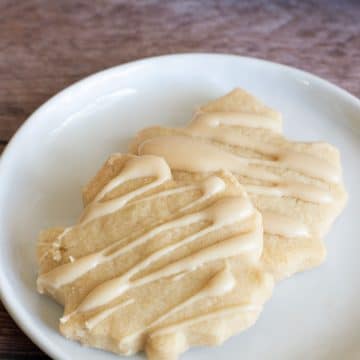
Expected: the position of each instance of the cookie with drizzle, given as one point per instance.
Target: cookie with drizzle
(154, 263)
(296, 186)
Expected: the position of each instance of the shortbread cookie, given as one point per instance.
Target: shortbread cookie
(154, 263)
(296, 186)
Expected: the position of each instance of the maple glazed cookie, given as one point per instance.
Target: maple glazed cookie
(297, 186)
(156, 263)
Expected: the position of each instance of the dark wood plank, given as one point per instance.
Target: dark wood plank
(47, 45)
(13, 343)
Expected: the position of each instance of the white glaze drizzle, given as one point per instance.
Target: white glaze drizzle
(233, 119)
(194, 155)
(134, 168)
(223, 212)
(212, 128)
(111, 289)
(209, 187)
(189, 154)
(102, 315)
(305, 192)
(276, 224)
(104, 293)
(232, 311)
(220, 284)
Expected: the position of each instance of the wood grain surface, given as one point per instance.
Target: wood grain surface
(47, 45)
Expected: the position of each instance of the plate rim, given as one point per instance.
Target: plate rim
(17, 313)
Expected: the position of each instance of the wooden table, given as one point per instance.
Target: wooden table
(47, 45)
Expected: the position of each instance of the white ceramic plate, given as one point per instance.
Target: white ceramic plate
(314, 315)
